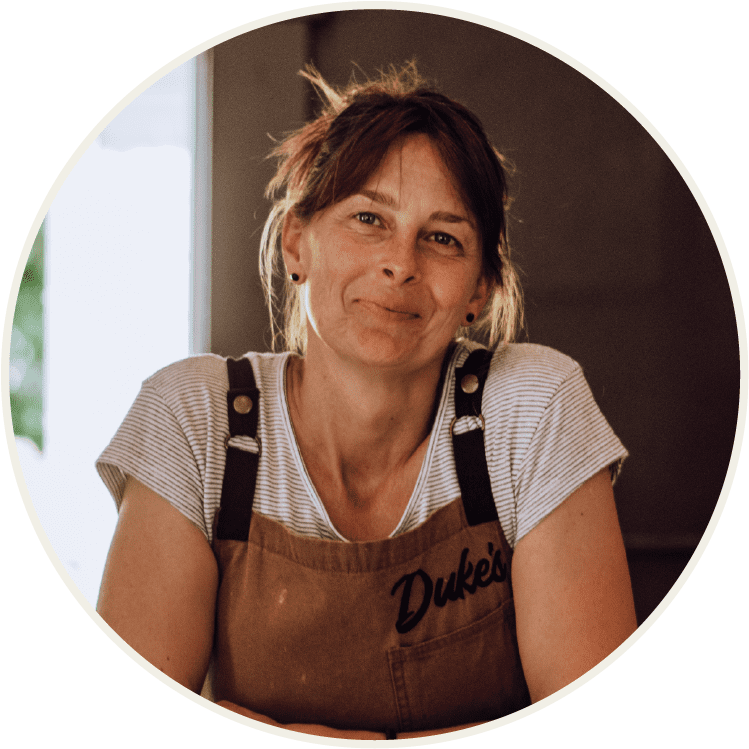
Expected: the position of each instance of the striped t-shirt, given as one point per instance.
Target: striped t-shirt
(544, 437)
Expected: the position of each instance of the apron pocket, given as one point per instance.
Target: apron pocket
(470, 675)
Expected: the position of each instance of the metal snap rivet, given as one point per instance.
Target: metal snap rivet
(242, 404)
(469, 384)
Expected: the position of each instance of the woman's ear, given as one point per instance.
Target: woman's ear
(484, 290)
(291, 239)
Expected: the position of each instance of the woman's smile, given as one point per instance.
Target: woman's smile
(387, 311)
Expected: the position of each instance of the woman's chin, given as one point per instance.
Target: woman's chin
(380, 347)
(387, 351)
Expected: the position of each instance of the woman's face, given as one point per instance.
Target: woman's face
(390, 272)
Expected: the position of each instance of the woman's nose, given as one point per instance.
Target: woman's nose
(400, 263)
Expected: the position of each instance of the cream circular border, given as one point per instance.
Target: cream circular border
(297, 13)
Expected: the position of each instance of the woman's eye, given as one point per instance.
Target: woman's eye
(367, 218)
(446, 239)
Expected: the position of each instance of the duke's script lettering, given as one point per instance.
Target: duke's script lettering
(467, 579)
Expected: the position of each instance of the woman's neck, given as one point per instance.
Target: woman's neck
(363, 434)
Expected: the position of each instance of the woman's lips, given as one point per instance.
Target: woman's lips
(388, 310)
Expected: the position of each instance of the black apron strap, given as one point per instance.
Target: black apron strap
(468, 447)
(240, 474)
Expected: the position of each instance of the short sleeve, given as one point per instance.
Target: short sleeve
(172, 437)
(571, 442)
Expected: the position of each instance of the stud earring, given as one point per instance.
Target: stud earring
(470, 317)
(294, 277)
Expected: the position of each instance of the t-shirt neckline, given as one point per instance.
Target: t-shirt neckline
(425, 465)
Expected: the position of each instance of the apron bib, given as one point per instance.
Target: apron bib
(408, 633)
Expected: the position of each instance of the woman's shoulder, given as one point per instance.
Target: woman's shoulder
(525, 365)
(531, 363)
(525, 377)
(205, 373)
(193, 369)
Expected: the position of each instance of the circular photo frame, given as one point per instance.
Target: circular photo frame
(147, 255)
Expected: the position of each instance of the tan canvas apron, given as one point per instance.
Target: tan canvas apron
(408, 633)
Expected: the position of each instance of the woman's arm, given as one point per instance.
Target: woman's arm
(573, 596)
(159, 586)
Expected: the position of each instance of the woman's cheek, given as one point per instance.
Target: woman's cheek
(320, 306)
(450, 288)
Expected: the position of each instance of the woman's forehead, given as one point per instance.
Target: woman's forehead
(414, 162)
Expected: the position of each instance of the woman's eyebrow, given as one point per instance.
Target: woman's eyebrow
(389, 202)
(451, 218)
(379, 197)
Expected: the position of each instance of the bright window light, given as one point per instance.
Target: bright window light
(116, 308)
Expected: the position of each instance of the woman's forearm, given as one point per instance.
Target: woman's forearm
(311, 728)
(435, 731)
(335, 733)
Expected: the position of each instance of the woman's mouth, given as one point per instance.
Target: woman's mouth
(388, 310)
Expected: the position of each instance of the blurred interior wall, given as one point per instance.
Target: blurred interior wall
(619, 266)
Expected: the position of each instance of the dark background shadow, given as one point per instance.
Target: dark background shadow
(620, 269)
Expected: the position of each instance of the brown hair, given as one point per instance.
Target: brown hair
(331, 157)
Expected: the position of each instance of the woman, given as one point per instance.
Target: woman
(415, 534)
